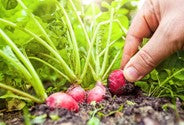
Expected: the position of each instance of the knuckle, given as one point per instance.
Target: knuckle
(174, 41)
(146, 59)
(131, 37)
(178, 40)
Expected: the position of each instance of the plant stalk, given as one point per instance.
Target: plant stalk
(37, 84)
(91, 48)
(38, 24)
(76, 49)
(67, 69)
(52, 67)
(18, 65)
(108, 42)
(18, 92)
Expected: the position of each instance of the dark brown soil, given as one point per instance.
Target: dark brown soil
(135, 109)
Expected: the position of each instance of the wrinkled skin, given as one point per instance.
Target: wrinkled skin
(163, 22)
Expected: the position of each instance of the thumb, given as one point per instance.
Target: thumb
(160, 46)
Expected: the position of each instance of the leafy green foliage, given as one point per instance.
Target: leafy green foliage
(167, 79)
(57, 30)
(17, 72)
(65, 41)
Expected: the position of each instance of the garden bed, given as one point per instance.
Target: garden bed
(132, 109)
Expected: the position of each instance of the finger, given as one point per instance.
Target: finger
(160, 46)
(143, 25)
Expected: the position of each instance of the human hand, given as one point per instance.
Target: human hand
(163, 22)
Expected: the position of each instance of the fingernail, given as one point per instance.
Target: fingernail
(131, 74)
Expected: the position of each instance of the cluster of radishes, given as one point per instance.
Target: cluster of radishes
(76, 94)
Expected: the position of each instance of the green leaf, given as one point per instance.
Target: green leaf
(45, 9)
(154, 75)
(2, 123)
(9, 4)
(39, 119)
(1, 76)
(8, 51)
(54, 117)
(93, 121)
(144, 85)
(146, 77)
(105, 5)
(130, 103)
(181, 97)
(11, 95)
(180, 76)
(14, 104)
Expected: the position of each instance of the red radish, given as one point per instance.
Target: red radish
(62, 100)
(77, 92)
(97, 93)
(116, 82)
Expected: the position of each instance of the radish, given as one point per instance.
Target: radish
(62, 100)
(116, 82)
(97, 93)
(77, 92)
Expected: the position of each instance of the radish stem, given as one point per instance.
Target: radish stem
(97, 58)
(91, 48)
(52, 67)
(38, 24)
(16, 64)
(93, 72)
(50, 57)
(110, 66)
(80, 21)
(108, 41)
(76, 49)
(104, 50)
(19, 92)
(67, 69)
(37, 84)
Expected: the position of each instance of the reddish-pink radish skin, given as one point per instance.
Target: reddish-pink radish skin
(78, 93)
(62, 100)
(116, 82)
(97, 93)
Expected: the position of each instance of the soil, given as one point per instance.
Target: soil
(133, 109)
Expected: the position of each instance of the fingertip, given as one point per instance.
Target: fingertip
(131, 74)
